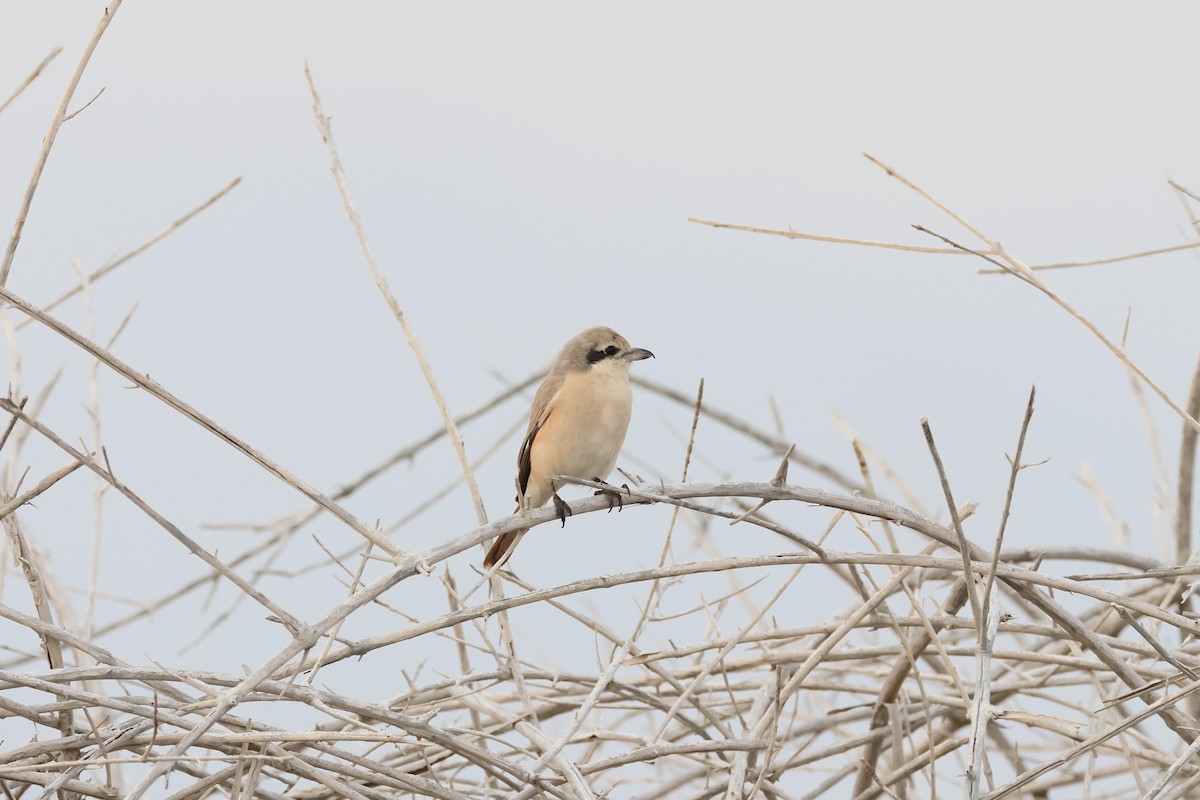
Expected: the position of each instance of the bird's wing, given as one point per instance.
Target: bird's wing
(543, 406)
(525, 462)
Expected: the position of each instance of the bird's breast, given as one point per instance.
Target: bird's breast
(586, 427)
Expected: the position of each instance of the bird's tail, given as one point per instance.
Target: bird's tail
(502, 548)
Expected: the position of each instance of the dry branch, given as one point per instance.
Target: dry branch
(56, 122)
(813, 671)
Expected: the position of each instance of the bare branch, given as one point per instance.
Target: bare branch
(137, 251)
(33, 76)
(339, 176)
(60, 116)
(155, 389)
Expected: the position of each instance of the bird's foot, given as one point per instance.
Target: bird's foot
(562, 509)
(614, 496)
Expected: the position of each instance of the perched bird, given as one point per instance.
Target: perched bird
(577, 425)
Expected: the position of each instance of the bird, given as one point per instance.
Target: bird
(577, 425)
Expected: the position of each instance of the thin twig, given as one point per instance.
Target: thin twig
(12, 422)
(963, 546)
(939, 204)
(323, 126)
(33, 76)
(1099, 261)
(192, 546)
(1183, 189)
(156, 389)
(56, 122)
(1187, 472)
(777, 446)
(790, 234)
(42, 485)
(1008, 496)
(1018, 269)
(135, 252)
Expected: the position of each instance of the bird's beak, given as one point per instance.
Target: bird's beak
(637, 354)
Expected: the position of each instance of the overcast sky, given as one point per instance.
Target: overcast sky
(525, 171)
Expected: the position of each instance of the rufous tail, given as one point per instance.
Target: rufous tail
(502, 548)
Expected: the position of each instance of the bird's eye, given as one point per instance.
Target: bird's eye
(599, 355)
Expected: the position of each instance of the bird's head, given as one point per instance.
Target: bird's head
(601, 348)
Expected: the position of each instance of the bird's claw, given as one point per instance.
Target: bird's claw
(562, 509)
(614, 497)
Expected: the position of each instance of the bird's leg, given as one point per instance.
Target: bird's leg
(561, 508)
(614, 497)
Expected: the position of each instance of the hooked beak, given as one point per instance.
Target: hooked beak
(637, 354)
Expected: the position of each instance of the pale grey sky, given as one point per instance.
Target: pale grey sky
(525, 171)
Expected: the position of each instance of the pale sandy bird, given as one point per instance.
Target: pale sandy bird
(577, 425)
